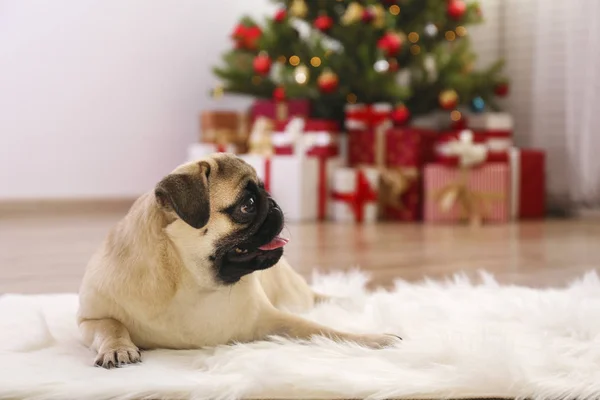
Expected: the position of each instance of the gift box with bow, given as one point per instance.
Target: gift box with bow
(398, 152)
(355, 195)
(298, 166)
(280, 110)
(225, 128)
(471, 190)
(527, 198)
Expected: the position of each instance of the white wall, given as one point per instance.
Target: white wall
(99, 98)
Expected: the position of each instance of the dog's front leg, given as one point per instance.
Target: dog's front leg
(110, 339)
(278, 323)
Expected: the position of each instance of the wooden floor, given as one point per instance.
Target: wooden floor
(47, 252)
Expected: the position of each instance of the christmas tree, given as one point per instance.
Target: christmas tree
(415, 54)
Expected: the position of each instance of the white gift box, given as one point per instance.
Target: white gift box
(198, 151)
(354, 195)
(491, 121)
(299, 184)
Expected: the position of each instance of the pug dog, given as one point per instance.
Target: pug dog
(197, 262)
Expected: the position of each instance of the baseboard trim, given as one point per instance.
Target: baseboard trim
(59, 206)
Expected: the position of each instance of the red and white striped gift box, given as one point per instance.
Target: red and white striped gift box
(491, 178)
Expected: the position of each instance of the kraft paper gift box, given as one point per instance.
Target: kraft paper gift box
(478, 194)
(198, 151)
(355, 193)
(225, 127)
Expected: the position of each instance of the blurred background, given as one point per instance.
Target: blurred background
(392, 127)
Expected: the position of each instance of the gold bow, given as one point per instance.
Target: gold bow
(474, 206)
(394, 182)
(260, 137)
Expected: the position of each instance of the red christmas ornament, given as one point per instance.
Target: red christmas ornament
(456, 9)
(367, 16)
(246, 37)
(400, 115)
(280, 15)
(501, 89)
(323, 23)
(390, 43)
(328, 82)
(279, 93)
(262, 64)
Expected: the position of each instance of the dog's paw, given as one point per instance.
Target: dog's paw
(379, 341)
(118, 355)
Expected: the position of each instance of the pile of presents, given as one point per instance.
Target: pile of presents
(370, 170)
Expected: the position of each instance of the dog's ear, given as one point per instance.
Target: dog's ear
(187, 195)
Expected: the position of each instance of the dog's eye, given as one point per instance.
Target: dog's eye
(248, 206)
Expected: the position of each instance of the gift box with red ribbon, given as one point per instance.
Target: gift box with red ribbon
(355, 195)
(300, 184)
(366, 126)
(398, 152)
(280, 110)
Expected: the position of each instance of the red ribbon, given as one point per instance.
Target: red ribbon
(369, 116)
(364, 194)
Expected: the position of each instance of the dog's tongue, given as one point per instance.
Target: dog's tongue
(276, 243)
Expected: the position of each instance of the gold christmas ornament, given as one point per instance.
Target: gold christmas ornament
(218, 92)
(448, 99)
(353, 14)
(378, 13)
(301, 74)
(298, 9)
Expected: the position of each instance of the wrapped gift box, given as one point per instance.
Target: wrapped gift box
(197, 151)
(225, 127)
(280, 110)
(491, 121)
(355, 195)
(299, 184)
(401, 154)
(528, 183)
(448, 189)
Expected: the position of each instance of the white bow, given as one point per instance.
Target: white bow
(468, 152)
(294, 135)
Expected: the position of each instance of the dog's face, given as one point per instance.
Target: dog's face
(221, 218)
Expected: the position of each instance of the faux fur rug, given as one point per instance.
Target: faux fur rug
(461, 339)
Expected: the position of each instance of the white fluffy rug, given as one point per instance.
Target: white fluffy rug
(461, 339)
